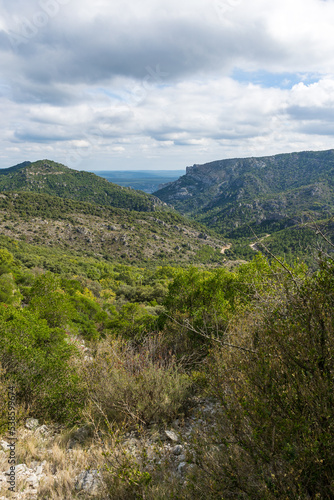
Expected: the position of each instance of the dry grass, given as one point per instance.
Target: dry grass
(137, 385)
(127, 472)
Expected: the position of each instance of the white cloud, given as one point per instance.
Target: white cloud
(151, 84)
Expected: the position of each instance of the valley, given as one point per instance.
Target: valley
(144, 337)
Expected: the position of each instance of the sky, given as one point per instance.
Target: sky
(124, 85)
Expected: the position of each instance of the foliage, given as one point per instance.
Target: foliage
(207, 300)
(132, 321)
(50, 223)
(275, 429)
(141, 385)
(49, 300)
(38, 360)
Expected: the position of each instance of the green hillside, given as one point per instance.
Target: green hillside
(55, 179)
(271, 191)
(158, 364)
(116, 234)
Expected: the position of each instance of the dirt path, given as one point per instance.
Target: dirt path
(253, 245)
(227, 247)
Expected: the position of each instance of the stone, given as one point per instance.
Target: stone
(31, 424)
(182, 468)
(172, 436)
(177, 450)
(44, 430)
(33, 481)
(185, 468)
(21, 469)
(4, 445)
(88, 481)
(39, 468)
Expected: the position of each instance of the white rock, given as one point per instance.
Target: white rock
(39, 469)
(19, 469)
(33, 481)
(4, 445)
(172, 435)
(31, 423)
(89, 481)
(44, 430)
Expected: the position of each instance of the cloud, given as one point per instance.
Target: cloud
(149, 80)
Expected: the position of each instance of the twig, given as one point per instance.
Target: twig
(190, 327)
(259, 242)
(321, 233)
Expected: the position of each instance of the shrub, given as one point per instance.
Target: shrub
(132, 321)
(136, 385)
(274, 437)
(8, 289)
(39, 360)
(49, 300)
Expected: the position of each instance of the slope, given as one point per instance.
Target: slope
(115, 234)
(53, 178)
(272, 191)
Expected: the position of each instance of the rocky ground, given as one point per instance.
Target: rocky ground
(56, 463)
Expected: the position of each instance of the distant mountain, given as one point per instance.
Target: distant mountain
(53, 178)
(268, 192)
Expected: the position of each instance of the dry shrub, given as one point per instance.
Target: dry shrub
(136, 385)
(137, 471)
(274, 435)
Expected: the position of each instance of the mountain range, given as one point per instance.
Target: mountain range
(47, 204)
(268, 193)
(215, 212)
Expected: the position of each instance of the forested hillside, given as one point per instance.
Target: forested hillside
(272, 191)
(53, 178)
(141, 238)
(158, 364)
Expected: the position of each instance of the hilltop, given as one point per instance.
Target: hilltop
(55, 179)
(269, 192)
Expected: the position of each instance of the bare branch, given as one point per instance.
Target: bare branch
(190, 327)
(259, 242)
(318, 231)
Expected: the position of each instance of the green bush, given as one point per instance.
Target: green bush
(39, 360)
(6, 261)
(132, 321)
(49, 301)
(9, 292)
(274, 436)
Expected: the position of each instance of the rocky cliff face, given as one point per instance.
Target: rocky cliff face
(252, 190)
